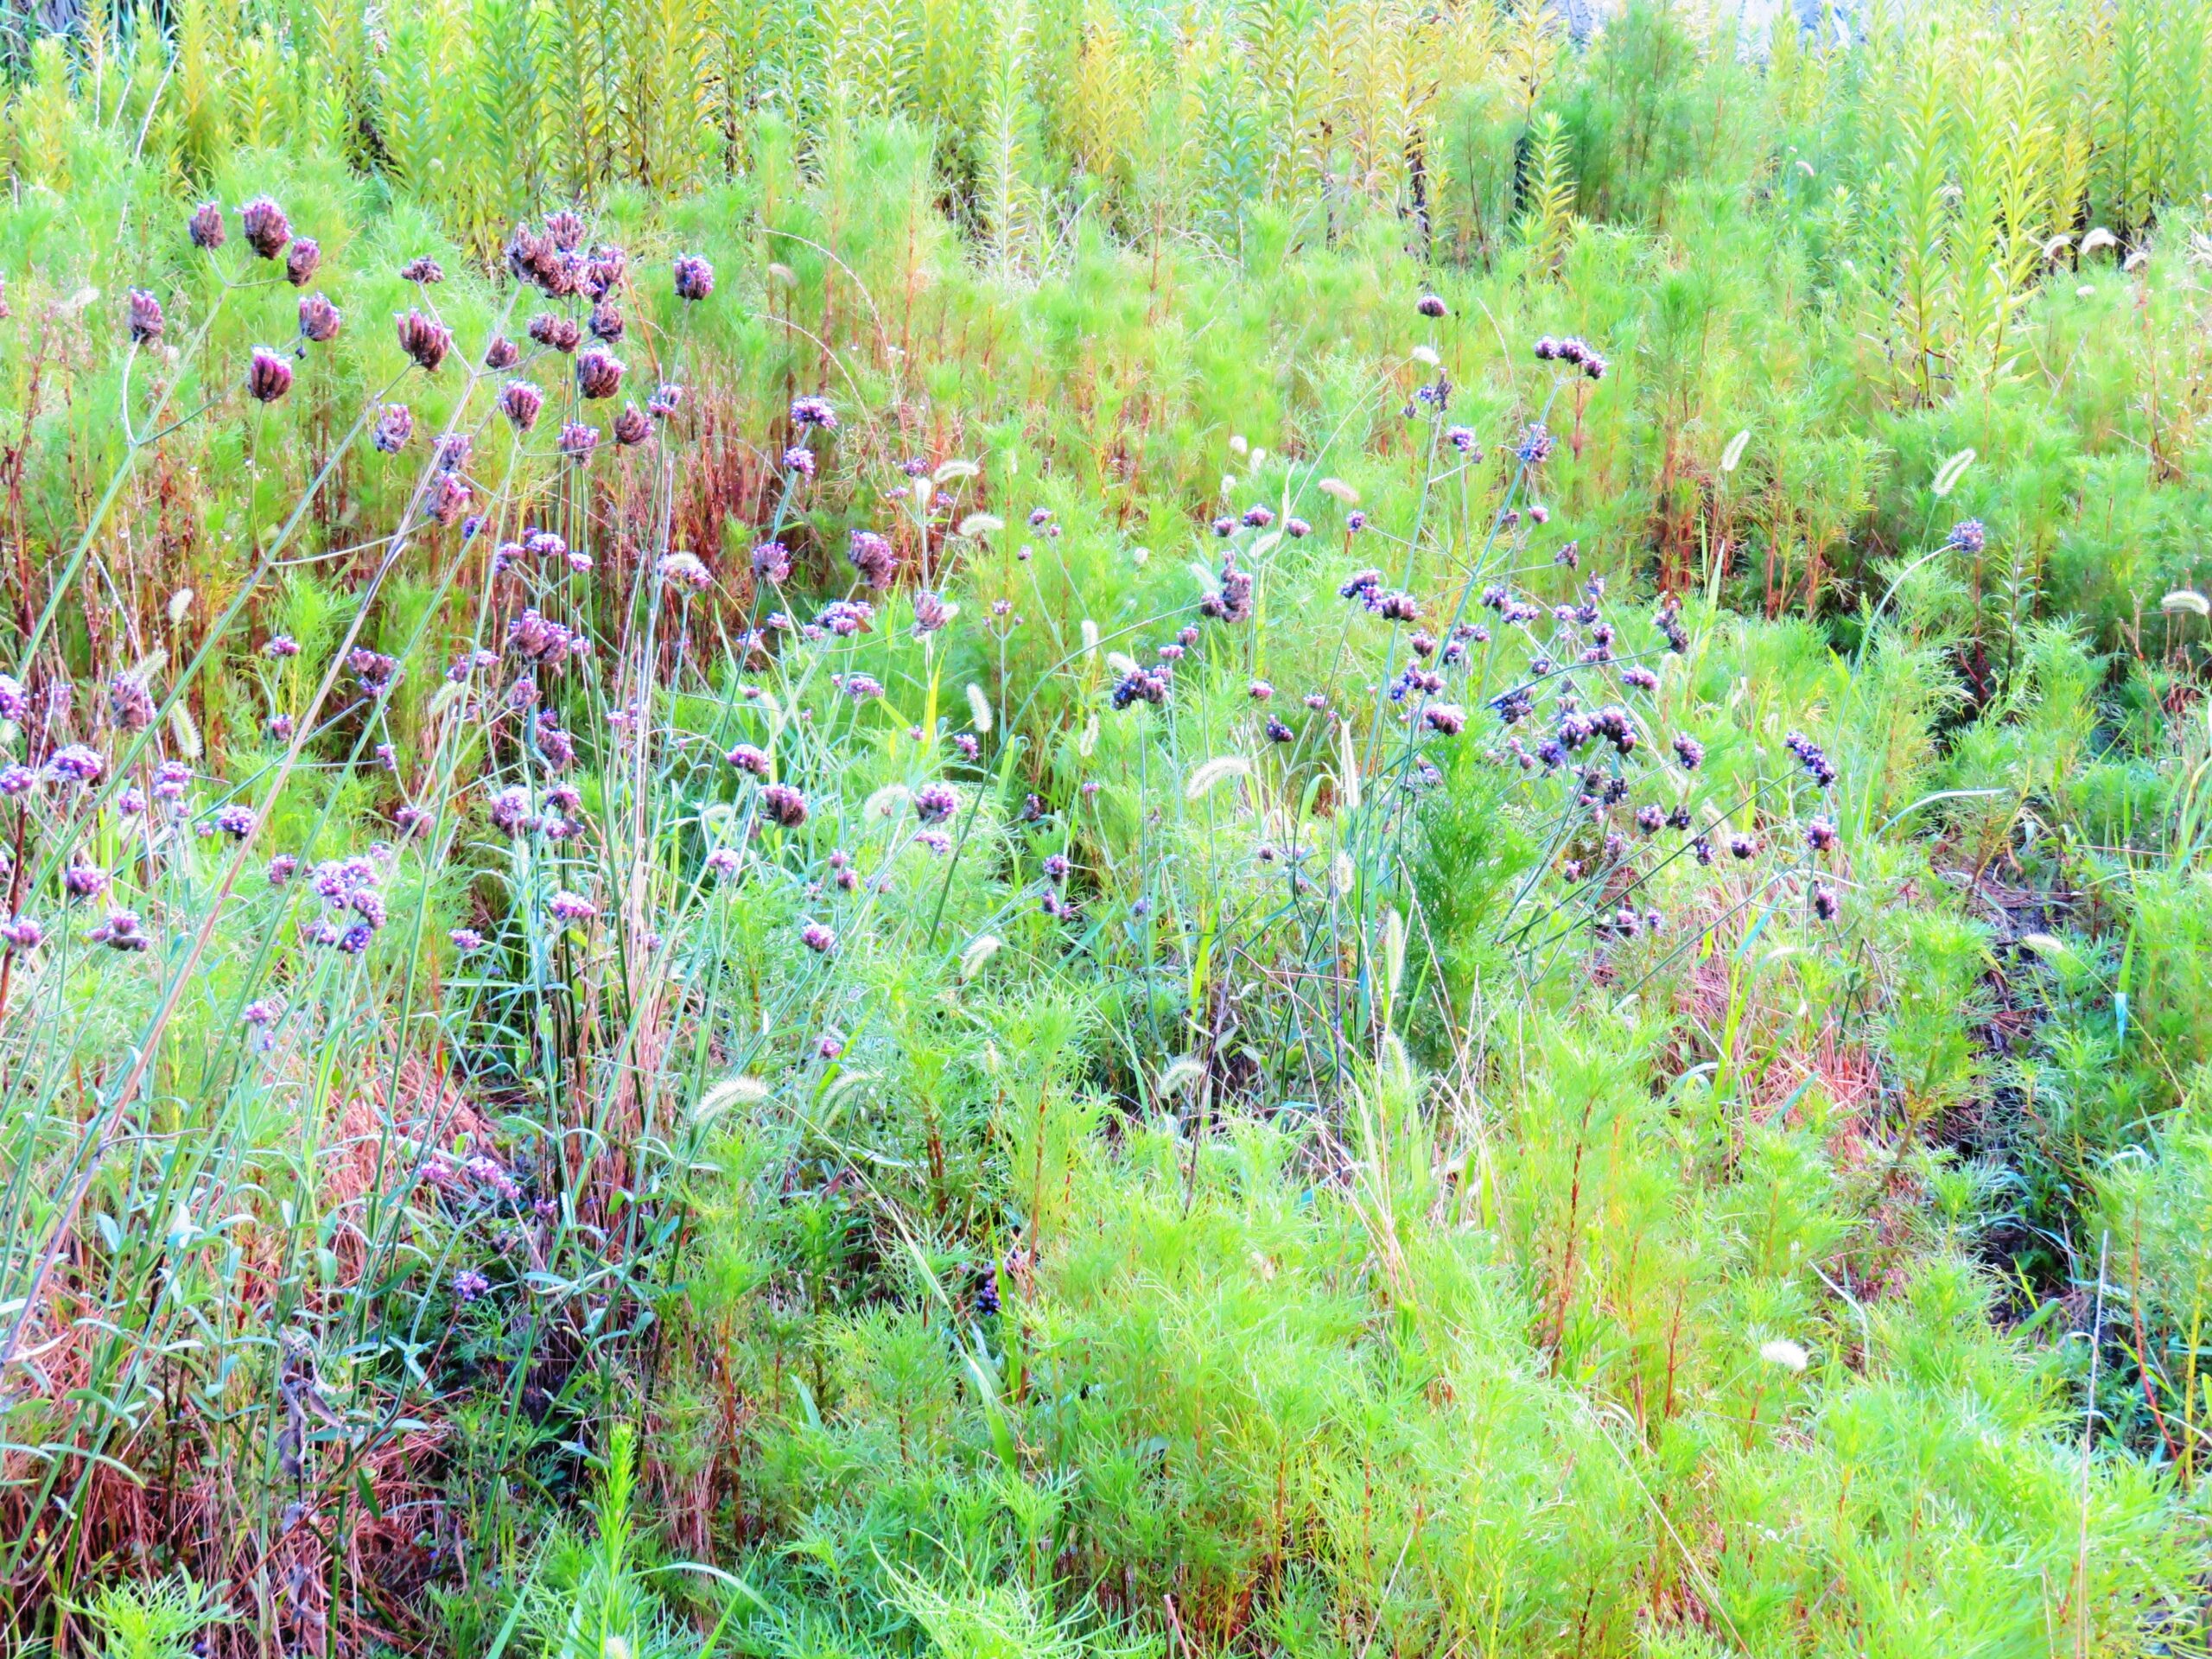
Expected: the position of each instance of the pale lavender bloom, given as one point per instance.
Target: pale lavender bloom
(934, 803)
(819, 939)
(723, 861)
(685, 571)
(468, 1284)
(814, 412)
(466, 940)
(76, 765)
(17, 781)
(569, 906)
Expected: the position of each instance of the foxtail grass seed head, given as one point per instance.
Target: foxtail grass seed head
(205, 226)
(318, 318)
(268, 377)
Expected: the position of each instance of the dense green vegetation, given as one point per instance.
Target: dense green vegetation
(919, 826)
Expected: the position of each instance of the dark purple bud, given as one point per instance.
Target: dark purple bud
(599, 374)
(519, 401)
(425, 339)
(145, 317)
(423, 270)
(268, 377)
(301, 263)
(558, 332)
(205, 226)
(266, 228)
(318, 318)
(501, 353)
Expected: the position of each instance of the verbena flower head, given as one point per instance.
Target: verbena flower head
(466, 940)
(423, 270)
(501, 353)
(599, 374)
(571, 908)
(872, 558)
(303, 260)
(266, 228)
(268, 377)
(121, 931)
(1969, 535)
(783, 805)
(424, 339)
(520, 402)
(143, 315)
(76, 764)
(318, 318)
(685, 571)
(558, 332)
(814, 412)
(818, 939)
(631, 427)
(395, 425)
(934, 803)
(205, 226)
(577, 442)
(694, 277)
(1432, 307)
(605, 323)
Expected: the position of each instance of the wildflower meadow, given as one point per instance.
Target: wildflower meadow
(1169, 828)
